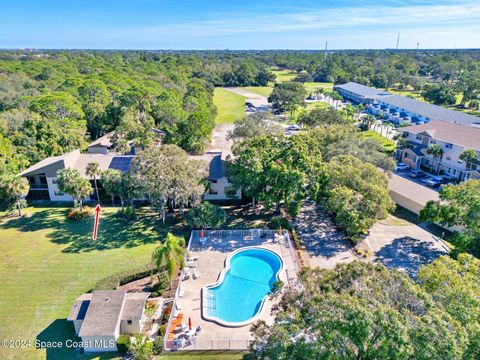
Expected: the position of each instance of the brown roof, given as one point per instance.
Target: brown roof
(463, 135)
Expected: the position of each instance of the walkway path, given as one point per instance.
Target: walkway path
(326, 246)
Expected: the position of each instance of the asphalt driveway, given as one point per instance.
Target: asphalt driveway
(404, 245)
(326, 246)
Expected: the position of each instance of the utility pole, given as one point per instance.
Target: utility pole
(326, 46)
(398, 40)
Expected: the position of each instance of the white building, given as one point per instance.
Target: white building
(101, 317)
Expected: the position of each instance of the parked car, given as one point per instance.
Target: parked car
(432, 182)
(293, 127)
(401, 166)
(249, 104)
(417, 174)
(436, 181)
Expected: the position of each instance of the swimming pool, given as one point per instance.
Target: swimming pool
(237, 298)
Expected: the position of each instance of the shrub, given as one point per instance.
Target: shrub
(113, 281)
(279, 221)
(206, 215)
(80, 214)
(162, 330)
(123, 344)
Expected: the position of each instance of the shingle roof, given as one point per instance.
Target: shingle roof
(67, 159)
(466, 136)
(103, 313)
(134, 305)
(80, 306)
(430, 111)
(362, 90)
(105, 140)
(216, 164)
(102, 310)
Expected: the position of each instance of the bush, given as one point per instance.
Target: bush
(123, 344)
(279, 221)
(162, 330)
(80, 214)
(206, 215)
(114, 281)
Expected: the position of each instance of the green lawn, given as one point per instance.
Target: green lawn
(312, 86)
(284, 75)
(388, 144)
(259, 90)
(230, 106)
(46, 261)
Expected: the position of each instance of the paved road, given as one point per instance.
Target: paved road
(255, 99)
(326, 246)
(219, 138)
(405, 247)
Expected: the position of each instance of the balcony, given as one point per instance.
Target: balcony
(38, 186)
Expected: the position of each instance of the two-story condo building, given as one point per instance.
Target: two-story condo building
(401, 109)
(42, 176)
(359, 93)
(453, 138)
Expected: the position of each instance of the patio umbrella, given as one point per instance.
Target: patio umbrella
(189, 324)
(280, 230)
(202, 233)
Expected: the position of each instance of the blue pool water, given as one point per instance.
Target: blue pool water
(246, 283)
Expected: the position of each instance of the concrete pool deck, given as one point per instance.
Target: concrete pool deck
(211, 261)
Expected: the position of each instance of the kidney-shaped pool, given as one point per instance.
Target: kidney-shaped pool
(237, 298)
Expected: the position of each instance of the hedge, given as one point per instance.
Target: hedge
(114, 281)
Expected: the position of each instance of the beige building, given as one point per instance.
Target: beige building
(452, 138)
(101, 317)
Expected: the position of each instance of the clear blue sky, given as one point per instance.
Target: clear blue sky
(246, 24)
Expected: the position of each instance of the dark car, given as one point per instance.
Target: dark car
(417, 174)
(249, 104)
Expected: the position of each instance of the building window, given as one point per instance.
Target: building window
(31, 180)
(129, 322)
(213, 181)
(419, 137)
(43, 180)
(54, 181)
(432, 141)
(213, 192)
(58, 193)
(449, 146)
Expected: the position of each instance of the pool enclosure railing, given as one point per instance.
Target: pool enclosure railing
(291, 269)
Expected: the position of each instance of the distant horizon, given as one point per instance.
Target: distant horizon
(249, 24)
(227, 49)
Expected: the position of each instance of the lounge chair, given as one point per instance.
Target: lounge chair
(186, 274)
(196, 275)
(181, 292)
(191, 264)
(192, 258)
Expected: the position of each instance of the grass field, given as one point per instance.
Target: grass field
(230, 106)
(388, 144)
(259, 90)
(46, 261)
(284, 75)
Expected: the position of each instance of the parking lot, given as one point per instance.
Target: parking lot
(421, 181)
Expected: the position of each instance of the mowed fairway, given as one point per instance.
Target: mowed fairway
(230, 106)
(46, 261)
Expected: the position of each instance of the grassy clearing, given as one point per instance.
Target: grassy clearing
(259, 90)
(46, 261)
(284, 75)
(312, 86)
(230, 106)
(388, 144)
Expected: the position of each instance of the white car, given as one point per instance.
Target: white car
(401, 166)
(293, 127)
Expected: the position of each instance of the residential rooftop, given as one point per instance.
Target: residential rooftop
(362, 90)
(433, 112)
(466, 136)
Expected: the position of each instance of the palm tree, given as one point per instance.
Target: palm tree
(469, 156)
(18, 188)
(93, 170)
(436, 152)
(169, 256)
